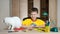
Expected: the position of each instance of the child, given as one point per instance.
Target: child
(33, 20)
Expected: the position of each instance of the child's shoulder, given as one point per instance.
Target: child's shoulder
(39, 19)
(26, 18)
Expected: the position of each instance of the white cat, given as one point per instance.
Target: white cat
(13, 22)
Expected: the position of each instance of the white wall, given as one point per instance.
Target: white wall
(58, 12)
(23, 8)
(36, 4)
(4, 11)
(53, 12)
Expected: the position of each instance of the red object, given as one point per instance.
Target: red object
(19, 28)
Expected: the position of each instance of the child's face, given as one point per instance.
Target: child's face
(33, 15)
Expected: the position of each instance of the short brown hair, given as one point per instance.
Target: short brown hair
(34, 10)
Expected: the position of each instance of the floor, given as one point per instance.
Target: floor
(29, 32)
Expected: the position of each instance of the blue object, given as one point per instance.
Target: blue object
(44, 13)
(47, 23)
(33, 24)
(10, 31)
(54, 29)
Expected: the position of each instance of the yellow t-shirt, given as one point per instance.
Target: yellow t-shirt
(28, 22)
